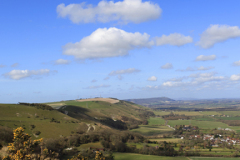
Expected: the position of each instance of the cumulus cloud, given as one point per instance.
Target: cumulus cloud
(235, 77)
(206, 58)
(20, 74)
(1, 66)
(237, 63)
(174, 39)
(105, 42)
(204, 68)
(124, 71)
(15, 65)
(167, 66)
(153, 78)
(124, 11)
(62, 61)
(217, 33)
(99, 86)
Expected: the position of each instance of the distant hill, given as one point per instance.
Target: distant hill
(151, 101)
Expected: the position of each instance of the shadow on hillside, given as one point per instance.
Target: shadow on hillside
(80, 113)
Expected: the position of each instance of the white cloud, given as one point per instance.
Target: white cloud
(15, 65)
(194, 80)
(124, 71)
(237, 63)
(105, 42)
(167, 66)
(1, 66)
(153, 78)
(124, 11)
(204, 68)
(19, 74)
(62, 61)
(235, 77)
(174, 39)
(206, 58)
(217, 33)
(99, 86)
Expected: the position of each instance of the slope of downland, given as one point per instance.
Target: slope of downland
(71, 115)
(13, 116)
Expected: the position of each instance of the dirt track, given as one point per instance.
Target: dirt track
(109, 100)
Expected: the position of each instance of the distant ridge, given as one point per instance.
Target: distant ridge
(151, 101)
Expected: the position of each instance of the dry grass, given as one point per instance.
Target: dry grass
(109, 100)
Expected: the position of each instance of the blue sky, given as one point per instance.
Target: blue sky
(68, 49)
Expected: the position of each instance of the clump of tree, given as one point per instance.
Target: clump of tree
(172, 116)
(146, 114)
(114, 124)
(131, 122)
(38, 105)
(232, 122)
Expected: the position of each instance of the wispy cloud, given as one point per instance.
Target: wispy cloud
(99, 86)
(237, 63)
(15, 65)
(204, 68)
(62, 61)
(94, 80)
(206, 58)
(20, 74)
(1, 65)
(187, 69)
(174, 39)
(167, 66)
(124, 71)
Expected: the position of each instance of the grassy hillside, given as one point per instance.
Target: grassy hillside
(33, 119)
(70, 116)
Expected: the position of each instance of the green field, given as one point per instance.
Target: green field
(204, 119)
(152, 130)
(200, 124)
(231, 113)
(156, 121)
(188, 113)
(210, 113)
(133, 156)
(161, 113)
(229, 118)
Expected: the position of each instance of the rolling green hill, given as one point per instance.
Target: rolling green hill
(71, 116)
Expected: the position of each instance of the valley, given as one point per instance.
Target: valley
(127, 130)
